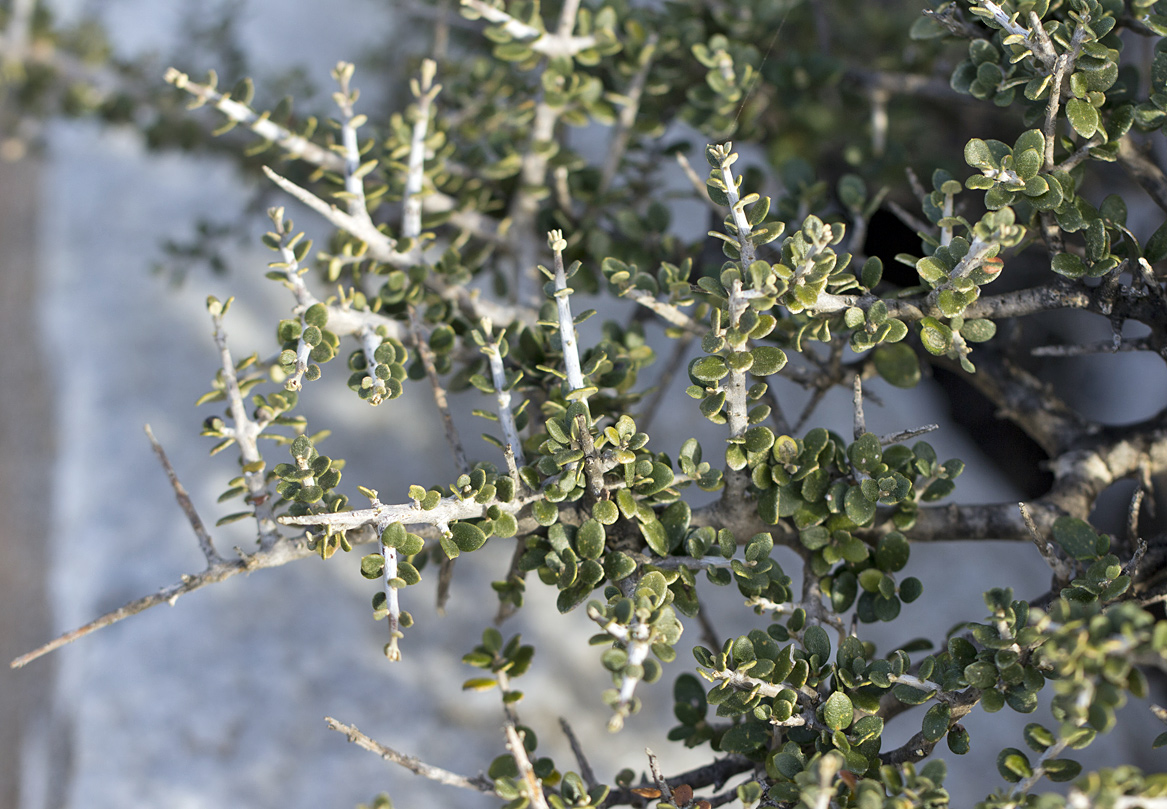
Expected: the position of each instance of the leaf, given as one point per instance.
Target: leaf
(1083, 117)
(816, 642)
(373, 566)
(589, 540)
(936, 337)
(767, 360)
(859, 509)
(838, 712)
(865, 453)
(936, 721)
(1076, 537)
(892, 552)
(1155, 248)
(654, 534)
(898, 364)
(467, 536)
(977, 155)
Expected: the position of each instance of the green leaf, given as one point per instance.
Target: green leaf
(1076, 537)
(467, 536)
(936, 721)
(816, 642)
(745, 738)
(865, 453)
(1083, 117)
(1013, 765)
(767, 360)
(978, 155)
(838, 712)
(1155, 248)
(654, 534)
(892, 552)
(589, 540)
(897, 364)
(708, 369)
(1062, 769)
(859, 509)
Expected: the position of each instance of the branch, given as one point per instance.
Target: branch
(297, 146)
(560, 44)
(425, 91)
(381, 247)
(575, 380)
(715, 775)
(585, 769)
(479, 783)
(206, 544)
(667, 311)
(533, 786)
(448, 509)
(245, 433)
(284, 550)
(618, 143)
(354, 186)
(1143, 171)
(502, 393)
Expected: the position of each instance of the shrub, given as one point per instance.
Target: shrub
(471, 228)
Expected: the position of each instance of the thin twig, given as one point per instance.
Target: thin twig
(585, 768)
(1062, 570)
(440, 400)
(478, 783)
(534, 786)
(206, 544)
(860, 421)
(695, 181)
(675, 361)
(618, 142)
(286, 549)
(904, 435)
(381, 247)
(296, 146)
(659, 777)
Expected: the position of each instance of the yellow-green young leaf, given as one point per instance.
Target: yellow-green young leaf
(372, 566)
(838, 712)
(479, 684)
(935, 336)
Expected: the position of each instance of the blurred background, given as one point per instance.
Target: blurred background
(219, 700)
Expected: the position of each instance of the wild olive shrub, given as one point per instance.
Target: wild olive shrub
(473, 227)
